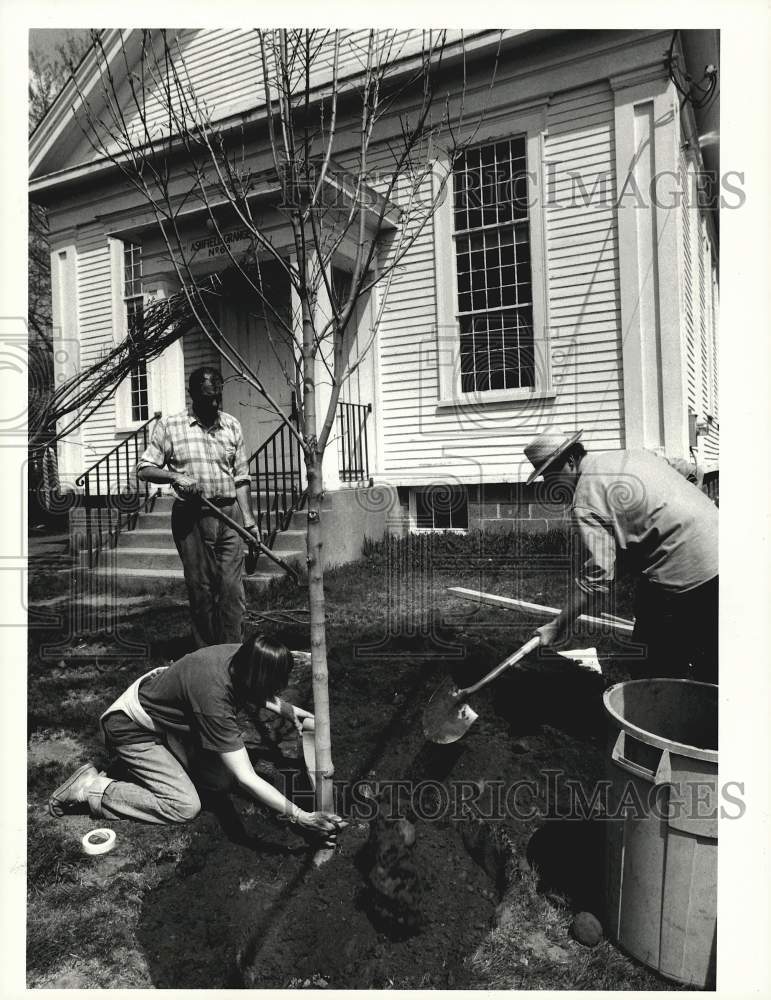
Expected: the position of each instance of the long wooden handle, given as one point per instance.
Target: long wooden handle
(616, 624)
(248, 537)
(529, 646)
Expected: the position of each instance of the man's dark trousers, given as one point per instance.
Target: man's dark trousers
(678, 632)
(212, 555)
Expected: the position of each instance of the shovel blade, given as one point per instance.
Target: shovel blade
(447, 717)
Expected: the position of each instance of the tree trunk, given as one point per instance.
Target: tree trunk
(313, 463)
(323, 737)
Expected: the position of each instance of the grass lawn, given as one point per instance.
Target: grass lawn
(192, 906)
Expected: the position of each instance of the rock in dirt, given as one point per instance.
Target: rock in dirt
(586, 929)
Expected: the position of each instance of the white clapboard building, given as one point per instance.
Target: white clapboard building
(604, 291)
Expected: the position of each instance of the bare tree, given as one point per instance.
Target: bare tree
(360, 162)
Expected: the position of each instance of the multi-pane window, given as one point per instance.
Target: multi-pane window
(492, 254)
(132, 296)
(442, 508)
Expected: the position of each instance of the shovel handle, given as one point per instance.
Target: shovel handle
(529, 646)
(248, 537)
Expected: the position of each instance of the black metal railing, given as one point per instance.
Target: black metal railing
(353, 447)
(277, 471)
(112, 495)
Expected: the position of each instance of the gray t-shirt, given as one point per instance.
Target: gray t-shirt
(635, 501)
(195, 696)
(192, 698)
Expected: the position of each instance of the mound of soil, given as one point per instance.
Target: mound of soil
(331, 930)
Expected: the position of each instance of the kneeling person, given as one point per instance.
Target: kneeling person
(175, 729)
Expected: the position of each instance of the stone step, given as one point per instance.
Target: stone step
(161, 520)
(166, 502)
(291, 540)
(171, 582)
(146, 538)
(162, 516)
(142, 558)
(157, 519)
(168, 558)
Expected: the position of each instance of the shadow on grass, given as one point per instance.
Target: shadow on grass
(569, 858)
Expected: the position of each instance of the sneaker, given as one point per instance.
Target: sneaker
(73, 791)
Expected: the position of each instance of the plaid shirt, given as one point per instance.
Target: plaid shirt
(214, 457)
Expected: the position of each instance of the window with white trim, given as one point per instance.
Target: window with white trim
(492, 259)
(490, 245)
(134, 306)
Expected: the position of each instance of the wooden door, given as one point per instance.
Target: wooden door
(270, 355)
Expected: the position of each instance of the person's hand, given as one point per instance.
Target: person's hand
(295, 715)
(186, 485)
(552, 632)
(323, 824)
(255, 532)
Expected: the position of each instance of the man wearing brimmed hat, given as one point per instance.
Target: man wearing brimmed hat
(635, 501)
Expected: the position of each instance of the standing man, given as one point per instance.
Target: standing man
(637, 502)
(202, 452)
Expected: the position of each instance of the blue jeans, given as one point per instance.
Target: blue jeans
(161, 789)
(212, 556)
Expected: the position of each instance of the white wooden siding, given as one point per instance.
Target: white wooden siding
(711, 441)
(422, 441)
(687, 281)
(95, 324)
(221, 69)
(698, 310)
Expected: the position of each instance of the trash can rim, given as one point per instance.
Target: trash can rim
(644, 735)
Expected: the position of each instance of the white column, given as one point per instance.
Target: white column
(325, 365)
(66, 339)
(647, 139)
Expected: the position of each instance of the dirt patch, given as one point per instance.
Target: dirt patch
(52, 748)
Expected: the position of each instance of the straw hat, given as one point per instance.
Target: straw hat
(546, 448)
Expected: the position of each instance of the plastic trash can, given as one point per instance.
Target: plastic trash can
(661, 865)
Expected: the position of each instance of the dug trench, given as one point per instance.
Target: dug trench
(410, 895)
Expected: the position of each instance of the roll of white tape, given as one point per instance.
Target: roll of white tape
(98, 841)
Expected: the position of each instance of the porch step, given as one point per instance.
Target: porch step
(163, 504)
(146, 560)
(166, 558)
(171, 582)
(160, 520)
(151, 559)
(290, 541)
(146, 538)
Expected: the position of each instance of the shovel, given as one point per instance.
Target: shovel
(255, 546)
(447, 717)
(308, 741)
